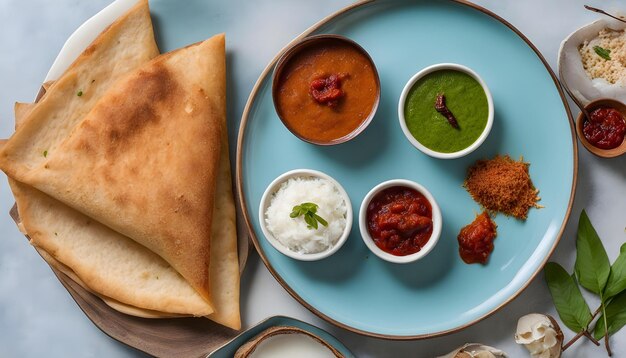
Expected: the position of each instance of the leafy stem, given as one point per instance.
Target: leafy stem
(590, 337)
(573, 340)
(577, 337)
(584, 332)
(606, 327)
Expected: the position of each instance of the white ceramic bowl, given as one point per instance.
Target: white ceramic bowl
(267, 198)
(420, 146)
(570, 66)
(369, 242)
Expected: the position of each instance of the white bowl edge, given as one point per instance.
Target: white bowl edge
(569, 63)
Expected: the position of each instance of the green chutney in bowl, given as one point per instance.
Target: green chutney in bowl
(446, 111)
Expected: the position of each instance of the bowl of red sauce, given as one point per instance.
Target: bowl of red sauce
(325, 89)
(400, 221)
(603, 133)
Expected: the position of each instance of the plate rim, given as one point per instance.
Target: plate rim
(243, 203)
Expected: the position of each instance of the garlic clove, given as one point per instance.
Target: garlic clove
(540, 334)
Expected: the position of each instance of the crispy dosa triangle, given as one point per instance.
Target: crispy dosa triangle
(46, 85)
(91, 253)
(21, 112)
(224, 264)
(116, 305)
(128, 40)
(224, 268)
(122, 47)
(144, 160)
(106, 261)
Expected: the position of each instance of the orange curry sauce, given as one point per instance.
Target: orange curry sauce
(326, 91)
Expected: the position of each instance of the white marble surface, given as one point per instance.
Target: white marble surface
(37, 315)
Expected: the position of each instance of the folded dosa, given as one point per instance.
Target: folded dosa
(128, 272)
(144, 160)
(106, 261)
(224, 264)
(115, 287)
(21, 112)
(121, 48)
(116, 305)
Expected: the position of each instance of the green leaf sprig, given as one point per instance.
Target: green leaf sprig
(594, 272)
(309, 210)
(568, 300)
(602, 52)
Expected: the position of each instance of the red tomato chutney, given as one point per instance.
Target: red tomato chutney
(476, 240)
(605, 129)
(399, 220)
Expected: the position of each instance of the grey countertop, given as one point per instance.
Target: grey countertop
(39, 318)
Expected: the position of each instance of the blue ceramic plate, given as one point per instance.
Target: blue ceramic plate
(228, 350)
(438, 294)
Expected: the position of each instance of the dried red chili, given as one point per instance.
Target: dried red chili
(440, 106)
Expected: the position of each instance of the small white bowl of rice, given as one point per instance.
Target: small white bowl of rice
(283, 217)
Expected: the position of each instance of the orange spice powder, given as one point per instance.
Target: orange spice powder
(502, 184)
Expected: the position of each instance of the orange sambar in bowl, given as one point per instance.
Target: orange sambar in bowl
(326, 89)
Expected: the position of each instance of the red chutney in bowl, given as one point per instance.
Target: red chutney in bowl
(605, 129)
(399, 220)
